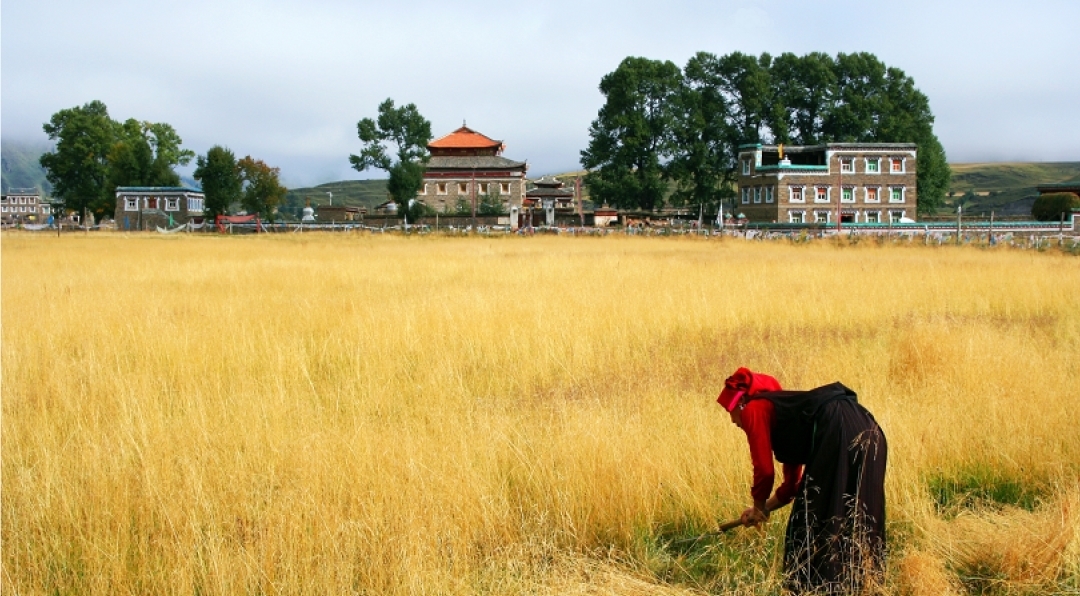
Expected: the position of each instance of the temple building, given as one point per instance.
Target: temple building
(466, 169)
(548, 196)
(872, 183)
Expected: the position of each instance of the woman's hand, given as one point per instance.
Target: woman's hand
(754, 517)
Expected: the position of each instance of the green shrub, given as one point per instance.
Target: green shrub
(1049, 207)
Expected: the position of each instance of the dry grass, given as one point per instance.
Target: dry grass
(327, 414)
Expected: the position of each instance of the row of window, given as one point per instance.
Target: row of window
(823, 194)
(24, 209)
(194, 205)
(18, 201)
(871, 165)
(823, 216)
(483, 188)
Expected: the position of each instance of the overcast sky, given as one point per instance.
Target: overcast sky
(287, 80)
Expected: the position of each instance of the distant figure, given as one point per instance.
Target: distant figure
(833, 454)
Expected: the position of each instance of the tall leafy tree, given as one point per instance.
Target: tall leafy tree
(804, 89)
(78, 167)
(704, 152)
(94, 154)
(145, 154)
(877, 103)
(262, 192)
(409, 133)
(631, 138)
(746, 84)
(220, 176)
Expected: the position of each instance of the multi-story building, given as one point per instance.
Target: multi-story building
(24, 205)
(467, 167)
(857, 182)
(147, 207)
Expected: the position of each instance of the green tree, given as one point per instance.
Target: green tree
(490, 203)
(1050, 206)
(220, 176)
(144, 154)
(78, 167)
(803, 89)
(746, 84)
(262, 192)
(410, 133)
(703, 158)
(94, 154)
(631, 138)
(880, 104)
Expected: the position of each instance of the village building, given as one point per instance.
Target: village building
(340, 213)
(861, 183)
(24, 206)
(547, 196)
(467, 168)
(150, 207)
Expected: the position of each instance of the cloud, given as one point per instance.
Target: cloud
(287, 80)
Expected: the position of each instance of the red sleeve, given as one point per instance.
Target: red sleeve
(792, 476)
(757, 419)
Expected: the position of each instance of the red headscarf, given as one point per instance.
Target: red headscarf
(744, 382)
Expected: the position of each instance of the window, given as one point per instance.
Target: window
(847, 195)
(873, 165)
(847, 165)
(504, 188)
(194, 205)
(796, 217)
(3, 208)
(797, 194)
(821, 194)
(172, 204)
(873, 217)
(768, 194)
(482, 188)
(441, 188)
(423, 189)
(463, 188)
(131, 203)
(872, 194)
(821, 216)
(896, 165)
(746, 167)
(896, 194)
(745, 196)
(757, 194)
(896, 216)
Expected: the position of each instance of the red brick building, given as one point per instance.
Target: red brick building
(859, 182)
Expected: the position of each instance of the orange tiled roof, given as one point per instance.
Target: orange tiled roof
(465, 138)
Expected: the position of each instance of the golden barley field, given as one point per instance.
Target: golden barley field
(332, 414)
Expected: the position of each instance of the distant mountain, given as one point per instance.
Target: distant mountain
(1007, 189)
(350, 193)
(19, 167)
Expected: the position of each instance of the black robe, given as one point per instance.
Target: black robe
(835, 540)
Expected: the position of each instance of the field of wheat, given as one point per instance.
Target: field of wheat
(326, 414)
